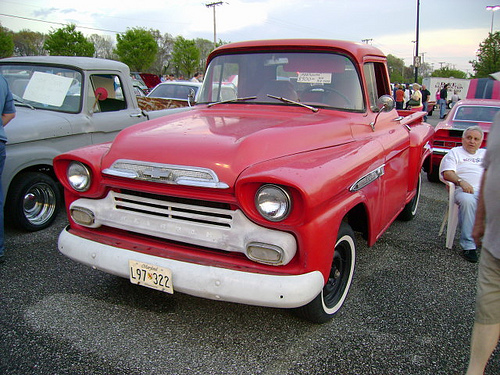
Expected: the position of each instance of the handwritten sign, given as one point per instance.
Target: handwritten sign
(47, 88)
(315, 78)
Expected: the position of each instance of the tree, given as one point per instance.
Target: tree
(29, 43)
(488, 56)
(137, 48)
(185, 56)
(446, 72)
(205, 46)
(6, 42)
(165, 47)
(103, 46)
(396, 68)
(66, 41)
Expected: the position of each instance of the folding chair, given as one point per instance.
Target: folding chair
(450, 216)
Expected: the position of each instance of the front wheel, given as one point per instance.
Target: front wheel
(33, 201)
(410, 210)
(322, 308)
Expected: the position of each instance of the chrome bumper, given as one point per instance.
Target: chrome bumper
(204, 281)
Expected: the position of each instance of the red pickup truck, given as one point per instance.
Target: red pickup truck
(255, 193)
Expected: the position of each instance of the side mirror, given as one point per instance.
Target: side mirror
(191, 96)
(385, 103)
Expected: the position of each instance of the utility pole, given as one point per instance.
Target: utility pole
(213, 5)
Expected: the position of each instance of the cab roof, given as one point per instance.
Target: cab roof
(83, 63)
(360, 51)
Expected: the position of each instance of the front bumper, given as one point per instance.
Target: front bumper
(287, 291)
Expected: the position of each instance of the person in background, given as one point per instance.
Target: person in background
(196, 77)
(8, 112)
(462, 165)
(416, 97)
(486, 330)
(443, 95)
(400, 97)
(425, 100)
(408, 94)
(454, 98)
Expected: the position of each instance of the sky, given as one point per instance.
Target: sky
(450, 31)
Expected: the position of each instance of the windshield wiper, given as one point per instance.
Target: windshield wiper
(234, 100)
(285, 100)
(17, 99)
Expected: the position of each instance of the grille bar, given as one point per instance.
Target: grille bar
(173, 210)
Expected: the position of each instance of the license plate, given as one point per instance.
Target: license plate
(151, 276)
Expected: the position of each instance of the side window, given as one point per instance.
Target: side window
(109, 86)
(376, 82)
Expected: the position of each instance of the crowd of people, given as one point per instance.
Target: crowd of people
(197, 77)
(416, 97)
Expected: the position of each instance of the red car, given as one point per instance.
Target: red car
(253, 195)
(465, 113)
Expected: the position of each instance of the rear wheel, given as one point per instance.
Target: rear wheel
(33, 201)
(322, 308)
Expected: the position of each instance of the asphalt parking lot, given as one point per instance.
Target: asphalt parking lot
(410, 311)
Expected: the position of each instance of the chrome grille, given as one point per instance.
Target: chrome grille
(174, 209)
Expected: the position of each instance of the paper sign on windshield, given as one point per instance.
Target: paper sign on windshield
(47, 88)
(314, 78)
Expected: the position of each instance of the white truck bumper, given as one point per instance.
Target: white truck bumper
(209, 282)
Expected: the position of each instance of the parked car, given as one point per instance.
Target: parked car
(148, 79)
(62, 103)
(449, 132)
(253, 195)
(176, 90)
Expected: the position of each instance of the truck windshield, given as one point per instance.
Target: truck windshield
(44, 87)
(325, 80)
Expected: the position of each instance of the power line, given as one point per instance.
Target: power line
(59, 23)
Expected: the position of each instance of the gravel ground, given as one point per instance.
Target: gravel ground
(410, 311)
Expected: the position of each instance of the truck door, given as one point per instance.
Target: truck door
(114, 110)
(394, 139)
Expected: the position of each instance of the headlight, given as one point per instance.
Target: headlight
(78, 176)
(273, 202)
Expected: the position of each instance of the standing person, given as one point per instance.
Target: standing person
(462, 165)
(443, 95)
(486, 330)
(400, 97)
(195, 77)
(408, 94)
(8, 112)
(425, 100)
(454, 98)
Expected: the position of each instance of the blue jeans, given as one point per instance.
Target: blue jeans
(467, 204)
(2, 234)
(425, 109)
(442, 108)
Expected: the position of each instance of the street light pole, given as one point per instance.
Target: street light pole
(213, 5)
(416, 60)
(493, 9)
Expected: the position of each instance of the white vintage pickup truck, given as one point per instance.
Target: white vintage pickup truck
(62, 103)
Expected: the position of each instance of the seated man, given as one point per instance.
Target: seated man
(463, 166)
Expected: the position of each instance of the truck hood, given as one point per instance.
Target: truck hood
(35, 124)
(229, 138)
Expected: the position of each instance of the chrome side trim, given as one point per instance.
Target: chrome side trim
(368, 178)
